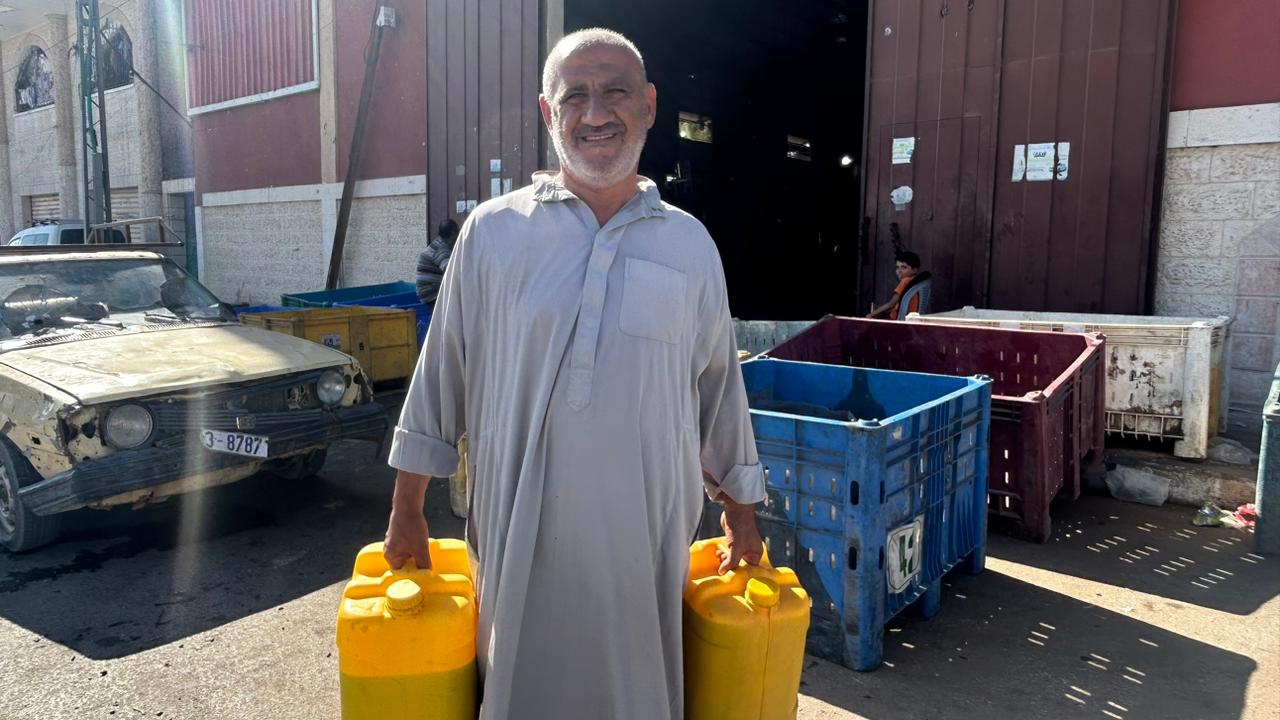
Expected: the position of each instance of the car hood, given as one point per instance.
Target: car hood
(140, 363)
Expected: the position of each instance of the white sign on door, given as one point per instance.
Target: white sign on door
(1040, 162)
(903, 149)
(1064, 155)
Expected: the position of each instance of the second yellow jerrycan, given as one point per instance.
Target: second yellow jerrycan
(407, 638)
(744, 637)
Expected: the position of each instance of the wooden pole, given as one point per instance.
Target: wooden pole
(353, 157)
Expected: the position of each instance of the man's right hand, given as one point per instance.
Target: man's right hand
(407, 533)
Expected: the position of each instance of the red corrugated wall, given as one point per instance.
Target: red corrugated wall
(239, 48)
(395, 141)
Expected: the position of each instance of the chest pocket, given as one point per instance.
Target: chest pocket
(653, 301)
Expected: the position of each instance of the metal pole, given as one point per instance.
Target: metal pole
(95, 163)
(86, 123)
(105, 176)
(353, 158)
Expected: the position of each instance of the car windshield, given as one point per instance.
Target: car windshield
(119, 292)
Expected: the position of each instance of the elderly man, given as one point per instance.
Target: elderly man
(582, 338)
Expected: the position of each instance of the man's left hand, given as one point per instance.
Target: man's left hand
(741, 536)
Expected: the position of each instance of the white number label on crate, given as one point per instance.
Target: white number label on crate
(904, 550)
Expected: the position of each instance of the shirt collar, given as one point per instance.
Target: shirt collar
(548, 188)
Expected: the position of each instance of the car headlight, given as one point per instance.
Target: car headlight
(128, 426)
(331, 387)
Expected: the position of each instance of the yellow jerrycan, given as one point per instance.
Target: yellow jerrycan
(743, 639)
(407, 638)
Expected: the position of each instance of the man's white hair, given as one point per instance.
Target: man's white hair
(583, 39)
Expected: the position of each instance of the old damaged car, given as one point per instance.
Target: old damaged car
(123, 381)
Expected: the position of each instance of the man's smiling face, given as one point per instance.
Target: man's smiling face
(598, 111)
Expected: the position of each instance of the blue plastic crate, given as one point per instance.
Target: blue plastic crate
(399, 299)
(349, 296)
(254, 309)
(894, 497)
(404, 301)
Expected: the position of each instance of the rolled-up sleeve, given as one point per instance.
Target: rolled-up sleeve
(433, 418)
(729, 461)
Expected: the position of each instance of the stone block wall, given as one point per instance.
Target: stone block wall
(255, 252)
(384, 239)
(176, 153)
(33, 154)
(31, 135)
(1219, 251)
(258, 244)
(123, 134)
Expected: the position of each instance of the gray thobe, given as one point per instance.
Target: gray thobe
(595, 371)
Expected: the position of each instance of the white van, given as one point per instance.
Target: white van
(59, 232)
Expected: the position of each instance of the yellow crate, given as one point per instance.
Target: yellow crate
(384, 340)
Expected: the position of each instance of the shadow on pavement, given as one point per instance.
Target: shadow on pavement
(1002, 648)
(1151, 550)
(124, 581)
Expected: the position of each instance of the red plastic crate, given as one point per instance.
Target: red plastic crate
(1047, 405)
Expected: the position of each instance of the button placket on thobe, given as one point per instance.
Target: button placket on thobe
(595, 287)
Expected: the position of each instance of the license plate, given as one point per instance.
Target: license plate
(234, 443)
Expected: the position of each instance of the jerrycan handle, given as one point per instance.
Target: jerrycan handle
(704, 561)
(764, 555)
(427, 577)
(410, 571)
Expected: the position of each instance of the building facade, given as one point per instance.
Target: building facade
(1162, 120)
(1219, 238)
(149, 144)
(273, 145)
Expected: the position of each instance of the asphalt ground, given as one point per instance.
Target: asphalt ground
(222, 604)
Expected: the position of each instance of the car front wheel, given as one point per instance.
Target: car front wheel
(21, 529)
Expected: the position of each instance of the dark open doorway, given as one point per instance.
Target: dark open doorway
(777, 89)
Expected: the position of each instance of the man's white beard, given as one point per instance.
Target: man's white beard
(597, 178)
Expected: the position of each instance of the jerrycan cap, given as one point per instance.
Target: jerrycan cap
(763, 592)
(404, 596)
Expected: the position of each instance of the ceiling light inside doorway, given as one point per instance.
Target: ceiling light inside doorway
(798, 148)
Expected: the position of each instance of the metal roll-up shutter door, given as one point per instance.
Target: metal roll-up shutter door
(124, 203)
(1089, 91)
(44, 207)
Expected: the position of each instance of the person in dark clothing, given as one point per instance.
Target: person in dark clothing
(433, 261)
